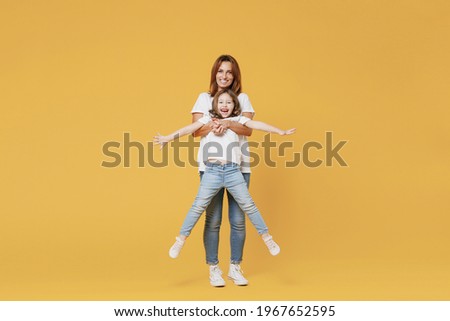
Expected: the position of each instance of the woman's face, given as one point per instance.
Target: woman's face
(225, 105)
(224, 76)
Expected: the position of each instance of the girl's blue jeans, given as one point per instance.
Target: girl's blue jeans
(213, 221)
(215, 178)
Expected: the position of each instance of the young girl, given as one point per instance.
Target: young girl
(222, 158)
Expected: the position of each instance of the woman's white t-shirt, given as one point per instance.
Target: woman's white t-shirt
(204, 105)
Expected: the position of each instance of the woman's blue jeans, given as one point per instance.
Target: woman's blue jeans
(213, 181)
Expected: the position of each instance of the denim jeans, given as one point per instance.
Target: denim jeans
(213, 221)
(215, 178)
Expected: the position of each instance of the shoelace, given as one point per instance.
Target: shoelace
(238, 269)
(270, 243)
(215, 272)
(178, 244)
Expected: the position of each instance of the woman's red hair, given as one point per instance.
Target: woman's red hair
(236, 85)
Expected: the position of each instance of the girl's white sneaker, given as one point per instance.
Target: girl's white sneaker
(236, 274)
(273, 247)
(176, 248)
(215, 276)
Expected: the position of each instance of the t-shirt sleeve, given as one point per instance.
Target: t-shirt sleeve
(246, 105)
(240, 119)
(243, 120)
(203, 104)
(205, 119)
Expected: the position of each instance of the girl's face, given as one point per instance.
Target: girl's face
(225, 105)
(224, 76)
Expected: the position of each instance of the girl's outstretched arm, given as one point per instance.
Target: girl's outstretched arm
(259, 125)
(189, 129)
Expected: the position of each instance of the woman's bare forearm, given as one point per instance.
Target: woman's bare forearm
(203, 131)
(237, 127)
(240, 129)
(246, 131)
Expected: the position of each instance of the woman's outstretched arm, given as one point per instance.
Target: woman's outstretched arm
(259, 125)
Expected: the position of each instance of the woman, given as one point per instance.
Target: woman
(225, 74)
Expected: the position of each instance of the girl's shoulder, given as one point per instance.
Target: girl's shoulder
(240, 119)
(206, 118)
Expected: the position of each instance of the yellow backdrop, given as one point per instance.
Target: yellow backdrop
(77, 74)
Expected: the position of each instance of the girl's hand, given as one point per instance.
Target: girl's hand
(161, 140)
(287, 132)
(222, 126)
(224, 123)
(217, 128)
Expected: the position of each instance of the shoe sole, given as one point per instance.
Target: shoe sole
(217, 285)
(275, 254)
(236, 282)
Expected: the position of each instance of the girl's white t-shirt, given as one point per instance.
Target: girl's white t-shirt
(204, 105)
(225, 147)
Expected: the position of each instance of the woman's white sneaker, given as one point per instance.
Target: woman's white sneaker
(273, 247)
(236, 274)
(176, 248)
(215, 276)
